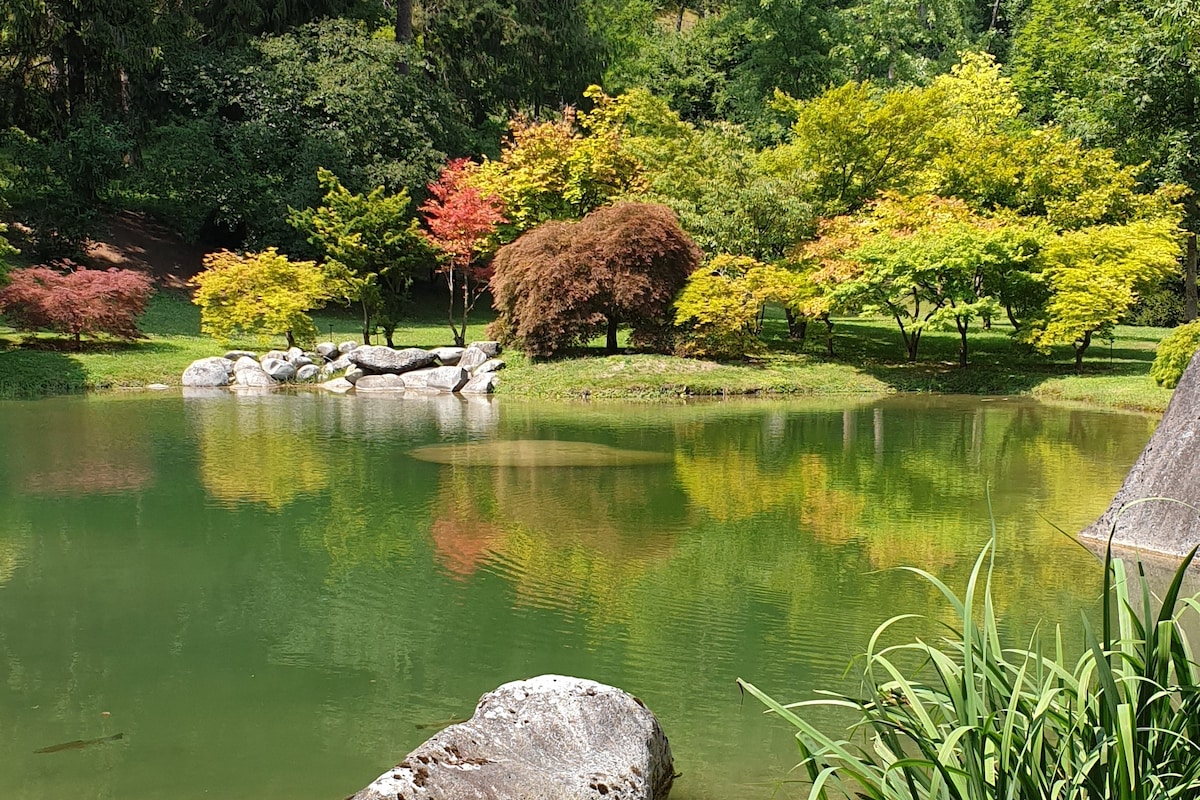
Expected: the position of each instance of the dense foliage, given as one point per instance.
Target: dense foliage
(76, 304)
(1174, 353)
(721, 308)
(461, 219)
(260, 293)
(789, 133)
(371, 247)
(562, 283)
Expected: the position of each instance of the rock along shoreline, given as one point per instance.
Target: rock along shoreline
(351, 367)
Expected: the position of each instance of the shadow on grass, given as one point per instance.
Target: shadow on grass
(996, 363)
(29, 373)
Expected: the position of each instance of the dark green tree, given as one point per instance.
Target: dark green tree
(249, 128)
(371, 244)
(501, 56)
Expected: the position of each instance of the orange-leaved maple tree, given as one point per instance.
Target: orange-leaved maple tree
(461, 220)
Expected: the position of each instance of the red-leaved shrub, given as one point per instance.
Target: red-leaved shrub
(563, 283)
(86, 301)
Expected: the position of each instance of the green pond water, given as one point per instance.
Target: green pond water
(275, 597)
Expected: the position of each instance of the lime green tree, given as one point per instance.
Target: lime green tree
(1124, 75)
(1093, 276)
(371, 244)
(718, 311)
(927, 262)
(721, 307)
(711, 176)
(855, 141)
(1174, 353)
(260, 293)
(560, 169)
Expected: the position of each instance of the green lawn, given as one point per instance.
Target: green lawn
(869, 358)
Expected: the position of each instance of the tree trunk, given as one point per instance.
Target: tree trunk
(962, 340)
(1189, 280)
(797, 326)
(829, 336)
(404, 30)
(1168, 468)
(291, 338)
(366, 319)
(459, 336)
(910, 340)
(466, 309)
(910, 344)
(679, 18)
(1012, 319)
(610, 345)
(1081, 348)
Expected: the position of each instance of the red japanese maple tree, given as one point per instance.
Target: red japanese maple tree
(461, 220)
(86, 301)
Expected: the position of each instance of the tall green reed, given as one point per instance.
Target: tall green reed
(979, 720)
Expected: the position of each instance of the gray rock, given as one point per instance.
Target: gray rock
(308, 372)
(472, 357)
(353, 373)
(214, 371)
(301, 361)
(246, 362)
(1168, 470)
(492, 349)
(447, 379)
(437, 379)
(292, 354)
(418, 378)
(158, 387)
(338, 385)
(346, 347)
(339, 363)
(547, 738)
(327, 350)
(278, 369)
(480, 384)
(255, 377)
(491, 365)
(448, 356)
(234, 355)
(379, 383)
(376, 358)
(279, 354)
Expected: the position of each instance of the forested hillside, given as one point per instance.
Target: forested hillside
(761, 124)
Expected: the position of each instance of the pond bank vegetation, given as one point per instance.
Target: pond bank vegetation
(980, 717)
(867, 360)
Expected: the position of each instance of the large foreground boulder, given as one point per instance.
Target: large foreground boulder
(208, 372)
(1169, 467)
(378, 358)
(547, 738)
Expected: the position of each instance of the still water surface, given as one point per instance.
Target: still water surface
(268, 595)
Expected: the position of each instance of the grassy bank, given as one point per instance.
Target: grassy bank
(869, 359)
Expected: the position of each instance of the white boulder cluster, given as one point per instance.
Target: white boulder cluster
(363, 369)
